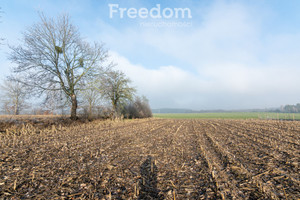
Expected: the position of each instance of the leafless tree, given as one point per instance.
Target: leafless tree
(91, 98)
(13, 97)
(114, 86)
(54, 57)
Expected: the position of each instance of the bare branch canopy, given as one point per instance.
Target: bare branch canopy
(115, 86)
(53, 56)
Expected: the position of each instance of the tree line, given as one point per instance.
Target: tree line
(55, 63)
(289, 108)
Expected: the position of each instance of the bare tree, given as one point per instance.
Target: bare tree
(91, 98)
(54, 57)
(13, 97)
(114, 86)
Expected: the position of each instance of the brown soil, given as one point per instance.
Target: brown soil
(152, 159)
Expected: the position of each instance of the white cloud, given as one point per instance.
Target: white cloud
(225, 60)
(231, 87)
(237, 66)
(166, 86)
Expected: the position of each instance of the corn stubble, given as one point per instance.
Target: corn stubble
(151, 159)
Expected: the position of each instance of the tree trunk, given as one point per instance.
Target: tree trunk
(90, 112)
(16, 110)
(74, 107)
(115, 112)
(16, 106)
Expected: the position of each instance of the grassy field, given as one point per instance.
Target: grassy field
(231, 115)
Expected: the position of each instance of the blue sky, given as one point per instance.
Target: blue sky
(233, 55)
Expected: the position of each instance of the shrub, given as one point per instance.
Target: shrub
(139, 108)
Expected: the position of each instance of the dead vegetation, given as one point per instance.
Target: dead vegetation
(151, 159)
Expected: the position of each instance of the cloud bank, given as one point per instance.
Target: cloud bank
(236, 55)
(232, 62)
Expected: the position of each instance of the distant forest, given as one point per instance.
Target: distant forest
(289, 108)
(282, 109)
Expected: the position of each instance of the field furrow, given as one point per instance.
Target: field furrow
(261, 162)
(151, 159)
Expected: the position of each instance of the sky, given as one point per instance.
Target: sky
(225, 55)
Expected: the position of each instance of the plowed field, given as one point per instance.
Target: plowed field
(152, 159)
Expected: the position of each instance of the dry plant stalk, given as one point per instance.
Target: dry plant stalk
(150, 159)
